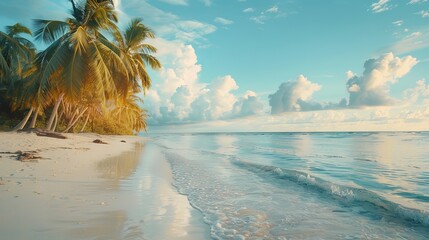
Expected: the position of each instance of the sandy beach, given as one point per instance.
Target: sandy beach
(83, 190)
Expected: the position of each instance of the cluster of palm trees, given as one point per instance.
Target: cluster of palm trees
(90, 71)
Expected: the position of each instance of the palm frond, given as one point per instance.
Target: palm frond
(153, 62)
(74, 71)
(137, 32)
(4, 69)
(18, 29)
(58, 58)
(145, 48)
(49, 30)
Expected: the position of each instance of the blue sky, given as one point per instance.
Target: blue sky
(242, 65)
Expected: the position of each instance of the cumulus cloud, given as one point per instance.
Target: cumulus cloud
(180, 97)
(296, 96)
(293, 96)
(247, 105)
(372, 88)
(248, 10)
(215, 101)
(380, 6)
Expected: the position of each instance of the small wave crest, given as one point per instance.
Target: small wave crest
(345, 194)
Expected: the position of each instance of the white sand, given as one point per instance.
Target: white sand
(83, 190)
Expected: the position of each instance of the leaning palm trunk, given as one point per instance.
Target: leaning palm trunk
(34, 118)
(24, 121)
(57, 120)
(86, 121)
(55, 124)
(54, 112)
(75, 120)
(72, 118)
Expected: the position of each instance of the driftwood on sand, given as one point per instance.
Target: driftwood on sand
(25, 156)
(44, 133)
(99, 141)
(28, 156)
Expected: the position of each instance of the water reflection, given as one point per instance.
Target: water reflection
(121, 167)
(165, 214)
(108, 225)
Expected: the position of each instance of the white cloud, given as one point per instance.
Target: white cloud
(293, 95)
(424, 14)
(380, 6)
(187, 31)
(166, 24)
(296, 96)
(216, 101)
(419, 93)
(179, 96)
(417, 1)
(373, 119)
(259, 19)
(248, 105)
(270, 13)
(372, 88)
(223, 21)
(117, 3)
(398, 23)
(411, 42)
(176, 2)
(248, 10)
(273, 9)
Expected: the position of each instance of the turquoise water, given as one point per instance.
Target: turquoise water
(305, 185)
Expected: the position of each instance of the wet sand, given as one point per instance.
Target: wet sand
(83, 190)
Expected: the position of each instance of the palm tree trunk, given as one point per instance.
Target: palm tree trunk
(24, 121)
(86, 121)
(75, 120)
(34, 119)
(54, 112)
(57, 121)
(72, 118)
(55, 124)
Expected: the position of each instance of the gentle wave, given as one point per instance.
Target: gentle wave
(345, 194)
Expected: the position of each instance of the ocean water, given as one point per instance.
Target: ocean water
(304, 185)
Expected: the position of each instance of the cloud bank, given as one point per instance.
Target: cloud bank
(180, 97)
(370, 89)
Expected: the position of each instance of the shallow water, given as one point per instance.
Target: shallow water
(305, 185)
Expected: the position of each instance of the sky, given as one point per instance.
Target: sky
(277, 65)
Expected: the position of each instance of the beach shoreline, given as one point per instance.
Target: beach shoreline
(79, 189)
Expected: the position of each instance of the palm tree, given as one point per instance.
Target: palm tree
(129, 113)
(16, 53)
(136, 54)
(79, 52)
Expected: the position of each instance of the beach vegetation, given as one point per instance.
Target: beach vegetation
(89, 77)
